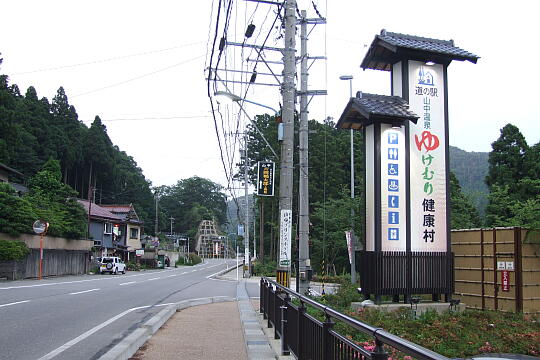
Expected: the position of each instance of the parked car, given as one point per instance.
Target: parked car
(112, 265)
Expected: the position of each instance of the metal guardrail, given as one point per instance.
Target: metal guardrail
(308, 338)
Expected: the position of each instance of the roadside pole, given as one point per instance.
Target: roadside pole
(287, 146)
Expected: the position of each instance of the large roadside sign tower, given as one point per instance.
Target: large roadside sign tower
(407, 184)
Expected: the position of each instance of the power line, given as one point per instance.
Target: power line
(105, 60)
(137, 77)
(154, 118)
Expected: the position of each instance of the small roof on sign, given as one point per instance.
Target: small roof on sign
(365, 109)
(388, 48)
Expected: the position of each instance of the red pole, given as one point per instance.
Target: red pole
(40, 256)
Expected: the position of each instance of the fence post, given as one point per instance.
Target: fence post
(284, 313)
(379, 353)
(300, 330)
(270, 305)
(327, 342)
(261, 297)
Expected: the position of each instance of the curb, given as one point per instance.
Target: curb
(127, 347)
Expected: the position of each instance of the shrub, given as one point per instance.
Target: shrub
(13, 250)
(192, 259)
(133, 266)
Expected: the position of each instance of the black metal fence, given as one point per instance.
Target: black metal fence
(396, 272)
(309, 338)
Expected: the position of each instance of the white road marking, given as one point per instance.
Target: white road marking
(78, 281)
(79, 338)
(151, 279)
(14, 303)
(82, 292)
(131, 282)
(172, 275)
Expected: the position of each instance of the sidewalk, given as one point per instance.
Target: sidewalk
(229, 329)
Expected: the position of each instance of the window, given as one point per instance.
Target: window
(108, 228)
(134, 233)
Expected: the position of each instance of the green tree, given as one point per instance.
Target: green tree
(463, 213)
(192, 200)
(16, 214)
(55, 203)
(506, 158)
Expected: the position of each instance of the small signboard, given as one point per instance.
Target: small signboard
(265, 178)
(501, 265)
(139, 252)
(349, 245)
(510, 265)
(505, 280)
(285, 238)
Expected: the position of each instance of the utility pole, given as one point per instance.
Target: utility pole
(287, 146)
(172, 219)
(353, 236)
(156, 224)
(246, 196)
(303, 198)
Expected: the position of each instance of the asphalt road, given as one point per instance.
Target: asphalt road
(82, 317)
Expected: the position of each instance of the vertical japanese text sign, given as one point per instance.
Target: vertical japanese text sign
(265, 178)
(428, 158)
(285, 238)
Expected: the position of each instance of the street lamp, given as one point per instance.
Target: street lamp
(353, 257)
(237, 99)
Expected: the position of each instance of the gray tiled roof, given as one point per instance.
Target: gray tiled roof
(366, 109)
(382, 105)
(424, 44)
(389, 48)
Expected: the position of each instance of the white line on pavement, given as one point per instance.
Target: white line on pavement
(82, 292)
(152, 279)
(79, 338)
(78, 281)
(14, 303)
(131, 282)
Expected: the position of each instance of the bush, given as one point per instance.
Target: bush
(13, 250)
(133, 266)
(192, 259)
(268, 268)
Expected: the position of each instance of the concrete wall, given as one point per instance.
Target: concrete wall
(60, 257)
(478, 282)
(51, 242)
(173, 255)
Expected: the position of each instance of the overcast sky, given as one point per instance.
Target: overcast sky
(140, 67)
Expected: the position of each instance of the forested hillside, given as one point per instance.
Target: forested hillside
(471, 169)
(35, 129)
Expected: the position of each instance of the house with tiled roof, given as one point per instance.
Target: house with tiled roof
(105, 230)
(132, 226)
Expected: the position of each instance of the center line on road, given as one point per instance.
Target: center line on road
(127, 283)
(152, 279)
(82, 292)
(172, 275)
(14, 303)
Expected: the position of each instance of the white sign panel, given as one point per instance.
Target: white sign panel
(139, 252)
(510, 265)
(285, 231)
(393, 189)
(246, 256)
(427, 158)
(349, 245)
(501, 265)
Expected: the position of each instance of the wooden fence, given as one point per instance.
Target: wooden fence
(496, 269)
